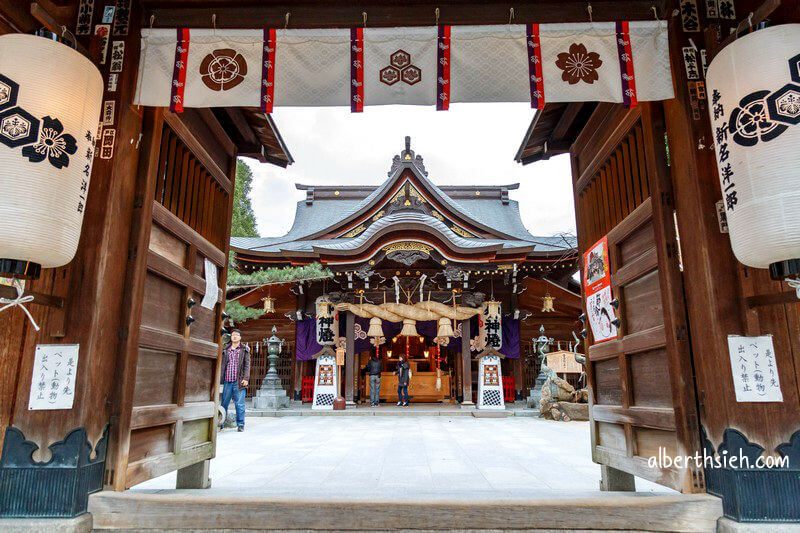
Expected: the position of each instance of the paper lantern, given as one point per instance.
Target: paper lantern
(327, 321)
(50, 99)
(754, 107)
(547, 303)
(409, 328)
(445, 328)
(269, 304)
(493, 320)
(375, 329)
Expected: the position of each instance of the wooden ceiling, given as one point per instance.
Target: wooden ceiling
(322, 14)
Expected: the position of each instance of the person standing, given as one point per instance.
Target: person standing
(374, 369)
(235, 376)
(403, 375)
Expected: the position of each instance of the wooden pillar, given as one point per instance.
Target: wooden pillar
(298, 377)
(350, 358)
(466, 364)
(519, 377)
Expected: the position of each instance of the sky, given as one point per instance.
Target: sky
(471, 144)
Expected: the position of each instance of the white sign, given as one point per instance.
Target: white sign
(755, 374)
(53, 379)
(212, 290)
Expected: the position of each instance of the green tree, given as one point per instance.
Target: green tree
(244, 219)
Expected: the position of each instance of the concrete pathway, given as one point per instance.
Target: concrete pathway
(459, 457)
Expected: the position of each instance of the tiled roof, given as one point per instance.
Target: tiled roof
(316, 216)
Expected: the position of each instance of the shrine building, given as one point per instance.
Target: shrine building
(409, 241)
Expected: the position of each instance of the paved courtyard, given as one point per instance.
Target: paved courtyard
(403, 456)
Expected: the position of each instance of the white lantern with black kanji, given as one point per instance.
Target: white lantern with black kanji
(493, 320)
(754, 107)
(50, 100)
(327, 322)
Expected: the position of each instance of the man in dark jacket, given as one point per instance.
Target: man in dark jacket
(235, 376)
(373, 370)
(403, 375)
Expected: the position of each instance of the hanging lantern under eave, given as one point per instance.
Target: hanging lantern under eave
(50, 100)
(327, 321)
(754, 108)
(269, 304)
(409, 328)
(493, 318)
(375, 329)
(547, 303)
(445, 328)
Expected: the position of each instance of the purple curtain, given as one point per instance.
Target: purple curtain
(306, 344)
(510, 347)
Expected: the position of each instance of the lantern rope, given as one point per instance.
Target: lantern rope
(793, 283)
(20, 302)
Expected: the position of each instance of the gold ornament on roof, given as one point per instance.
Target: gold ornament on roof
(461, 231)
(355, 231)
(408, 246)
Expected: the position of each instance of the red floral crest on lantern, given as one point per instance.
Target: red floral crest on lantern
(579, 64)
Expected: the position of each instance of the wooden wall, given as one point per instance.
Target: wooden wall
(91, 285)
(721, 292)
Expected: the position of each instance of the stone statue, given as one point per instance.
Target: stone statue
(542, 346)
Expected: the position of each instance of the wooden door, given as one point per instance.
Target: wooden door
(642, 388)
(168, 401)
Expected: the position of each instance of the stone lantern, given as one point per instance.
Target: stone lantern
(271, 394)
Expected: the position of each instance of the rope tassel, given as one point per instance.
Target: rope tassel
(20, 302)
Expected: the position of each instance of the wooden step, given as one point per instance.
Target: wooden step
(199, 510)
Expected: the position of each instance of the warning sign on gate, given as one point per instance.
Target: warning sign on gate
(597, 287)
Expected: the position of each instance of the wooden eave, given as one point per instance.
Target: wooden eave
(333, 14)
(553, 130)
(255, 134)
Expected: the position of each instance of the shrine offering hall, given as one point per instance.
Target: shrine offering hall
(446, 276)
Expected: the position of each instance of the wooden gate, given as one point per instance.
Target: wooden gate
(642, 389)
(166, 408)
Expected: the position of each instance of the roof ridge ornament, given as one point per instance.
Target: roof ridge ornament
(407, 156)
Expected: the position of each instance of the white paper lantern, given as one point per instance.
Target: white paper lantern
(50, 100)
(327, 321)
(493, 320)
(754, 107)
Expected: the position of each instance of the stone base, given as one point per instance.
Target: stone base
(727, 525)
(575, 411)
(79, 524)
(194, 476)
(270, 399)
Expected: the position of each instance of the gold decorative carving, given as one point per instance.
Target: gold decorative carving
(435, 214)
(408, 246)
(378, 215)
(505, 267)
(412, 193)
(355, 231)
(461, 231)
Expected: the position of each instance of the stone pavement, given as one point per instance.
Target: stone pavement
(403, 457)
